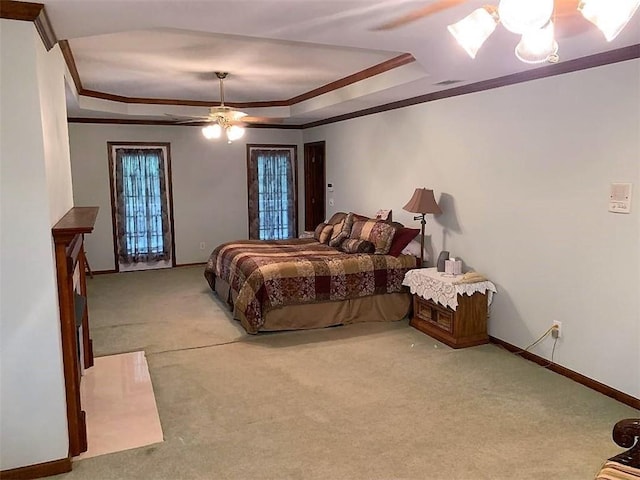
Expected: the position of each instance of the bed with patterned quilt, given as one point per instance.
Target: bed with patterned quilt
(309, 283)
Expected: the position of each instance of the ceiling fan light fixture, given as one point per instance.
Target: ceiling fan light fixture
(609, 16)
(234, 132)
(212, 131)
(473, 30)
(523, 16)
(537, 46)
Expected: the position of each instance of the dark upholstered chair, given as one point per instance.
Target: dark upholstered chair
(626, 465)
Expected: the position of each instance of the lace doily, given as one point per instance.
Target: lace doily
(433, 285)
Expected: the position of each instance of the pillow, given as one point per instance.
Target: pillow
(379, 233)
(412, 249)
(322, 233)
(401, 239)
(339, 216)
(336, 218)
(341, 231)
(355, 245)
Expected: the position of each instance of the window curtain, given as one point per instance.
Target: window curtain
(271, 195)
(141, 211)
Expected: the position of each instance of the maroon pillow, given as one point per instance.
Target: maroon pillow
(401, 239)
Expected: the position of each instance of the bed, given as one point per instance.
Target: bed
(305, 283)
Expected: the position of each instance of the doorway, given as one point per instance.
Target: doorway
(314, 184)
(141, 205)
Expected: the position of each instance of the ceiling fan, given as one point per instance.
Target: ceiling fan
(223, 118)
(533, 19)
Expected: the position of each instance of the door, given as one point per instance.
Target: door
(314, 184)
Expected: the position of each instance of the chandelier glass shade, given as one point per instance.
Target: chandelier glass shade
(537, 46)
(472, 31)
(214, 130)
(609, 16)
(523, 16)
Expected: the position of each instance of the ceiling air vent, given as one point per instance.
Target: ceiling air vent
(447, 82)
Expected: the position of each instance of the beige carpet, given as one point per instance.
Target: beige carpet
(367, 401)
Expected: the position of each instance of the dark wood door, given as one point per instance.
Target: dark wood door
(314, 184)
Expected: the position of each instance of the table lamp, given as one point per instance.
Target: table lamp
(422, 202)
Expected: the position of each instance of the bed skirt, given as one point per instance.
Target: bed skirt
(374, 308)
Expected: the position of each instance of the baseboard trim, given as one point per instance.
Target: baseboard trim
(38, 470)
(575, 376)
(104, 272)
(194, 264)
(177, 265)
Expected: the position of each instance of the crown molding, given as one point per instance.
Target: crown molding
(390, 64)
(30, 12)
(127, 121)
(597, 60)
(382, 67)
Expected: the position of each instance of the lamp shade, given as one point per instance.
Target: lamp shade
(522, 16)
(610, 17)
(234, 132)
(472, 31)
(537, 46)
(212, 131)
(422, 201)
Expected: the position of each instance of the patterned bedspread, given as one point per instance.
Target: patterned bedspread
(273, 273)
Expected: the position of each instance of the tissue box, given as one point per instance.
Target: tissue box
(453, 266)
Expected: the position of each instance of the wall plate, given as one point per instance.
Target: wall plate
(620, 198)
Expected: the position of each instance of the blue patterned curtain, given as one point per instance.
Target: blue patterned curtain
(141, 210)
(272, 198)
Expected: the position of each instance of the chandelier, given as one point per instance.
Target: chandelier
(533, 20)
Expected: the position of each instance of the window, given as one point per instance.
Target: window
(272, 175)
(140, 202)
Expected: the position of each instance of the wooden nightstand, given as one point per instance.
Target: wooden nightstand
(458, 317)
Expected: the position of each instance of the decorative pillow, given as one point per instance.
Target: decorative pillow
(322, 233)
(401, 239)
(341, 231)
(336, 218)
(379, 233)
(413, 248)
(339, 216)
(355, 245)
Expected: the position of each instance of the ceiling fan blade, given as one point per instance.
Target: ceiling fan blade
(252, 119)
(419, 13)
(187, 117)
(187, 120)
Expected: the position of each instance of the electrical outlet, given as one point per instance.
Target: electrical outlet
(557, 329)
(202, 245)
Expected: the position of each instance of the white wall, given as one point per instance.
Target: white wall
(522, 173)
(35, 190)
(209, 184)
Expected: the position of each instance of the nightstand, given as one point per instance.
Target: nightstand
(452, 309)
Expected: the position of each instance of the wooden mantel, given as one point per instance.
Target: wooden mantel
(78, 220)
(77, 350)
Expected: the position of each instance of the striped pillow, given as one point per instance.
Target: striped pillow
(355, 245)
(377, 232)
(322, 233)
(341, 231)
